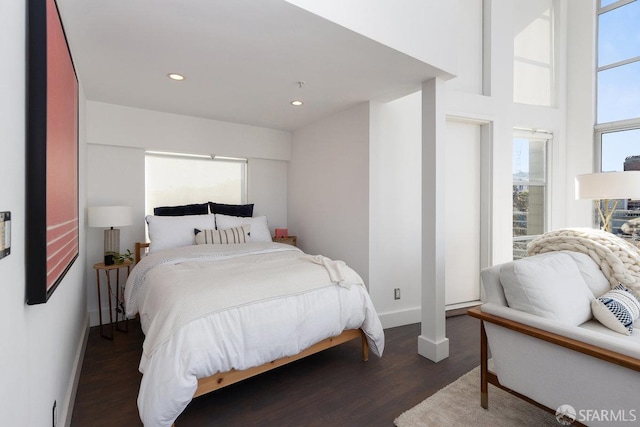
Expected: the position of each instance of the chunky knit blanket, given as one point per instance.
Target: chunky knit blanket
(618, 259)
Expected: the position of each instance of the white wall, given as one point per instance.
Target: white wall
(580, 95)
(115, 177)
(482, 94)
(110, 124)
(41, 344)
(267, 188)
(424, 29)
(570, 120)
(329, 188)
(118, 137)
(395, 209)
(497, 109)
(469, 50)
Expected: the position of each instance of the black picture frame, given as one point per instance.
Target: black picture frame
(52, 202)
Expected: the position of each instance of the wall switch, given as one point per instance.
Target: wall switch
(396, 293)
(5, 234)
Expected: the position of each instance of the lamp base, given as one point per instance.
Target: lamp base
(111, 245)
(606, 212)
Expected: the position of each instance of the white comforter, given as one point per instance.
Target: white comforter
(263, 301)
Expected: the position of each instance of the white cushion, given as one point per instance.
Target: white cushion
(167, 232)
(227, 236)
(548, 285)
(617, 309)
(259, 228)
(591, 273)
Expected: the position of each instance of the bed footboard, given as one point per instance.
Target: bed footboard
(223, 379)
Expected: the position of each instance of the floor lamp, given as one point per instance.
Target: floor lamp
(606, 187)
(109, 217)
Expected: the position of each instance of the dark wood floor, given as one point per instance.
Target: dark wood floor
(332, 388)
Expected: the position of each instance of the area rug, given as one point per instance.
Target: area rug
(458, 404)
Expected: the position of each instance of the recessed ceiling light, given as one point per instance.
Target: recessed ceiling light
(297, 103)
(175, 76)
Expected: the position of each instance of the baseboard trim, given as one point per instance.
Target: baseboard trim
(391, 319)
(400, 318)
(460, 309)
(77, 370)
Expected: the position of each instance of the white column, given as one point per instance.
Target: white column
(432, 343)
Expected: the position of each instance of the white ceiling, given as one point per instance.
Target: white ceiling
(242, 60)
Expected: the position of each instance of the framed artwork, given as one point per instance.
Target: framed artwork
(52, 234)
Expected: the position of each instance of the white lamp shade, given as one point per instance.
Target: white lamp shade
(608, 185)
(110, 216)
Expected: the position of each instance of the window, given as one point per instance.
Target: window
(617, 133)
(175, 179)
(533, 54)
(618, 61)
(620, 151)
(529, 188)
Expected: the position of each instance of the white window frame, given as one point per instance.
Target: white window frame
(621, 124)
(547, 138)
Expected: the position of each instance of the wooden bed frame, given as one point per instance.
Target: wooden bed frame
(223, 379)
(488, 377)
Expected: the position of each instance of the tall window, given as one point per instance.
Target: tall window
(618, 103)
(174, 179)
(618, 61)
(533, 53)
(529, 188)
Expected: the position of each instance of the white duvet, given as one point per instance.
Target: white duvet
(210, 308)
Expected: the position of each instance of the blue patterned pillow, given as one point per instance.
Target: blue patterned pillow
(617, 309)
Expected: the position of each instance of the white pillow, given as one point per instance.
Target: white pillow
(259, 228)
(547, 285)
(617, 309)
(167, 232)
(227, 236)
(591, 273)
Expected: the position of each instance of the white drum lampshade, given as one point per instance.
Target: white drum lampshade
(608, 186)
(109, 217)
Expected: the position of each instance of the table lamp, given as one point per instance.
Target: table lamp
(605, 187)
(109, 217)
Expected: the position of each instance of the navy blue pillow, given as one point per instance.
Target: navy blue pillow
(194, 209)
(231, 210)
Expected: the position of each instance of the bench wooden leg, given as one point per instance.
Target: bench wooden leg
(484, 368)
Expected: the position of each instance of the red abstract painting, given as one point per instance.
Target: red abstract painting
(52, 153)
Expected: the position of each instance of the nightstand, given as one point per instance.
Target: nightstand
(290, 240)
(119, 305)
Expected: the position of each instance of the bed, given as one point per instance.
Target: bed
(215, 314)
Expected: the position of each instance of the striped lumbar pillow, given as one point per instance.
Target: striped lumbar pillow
(617, 309)
(222, 237)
